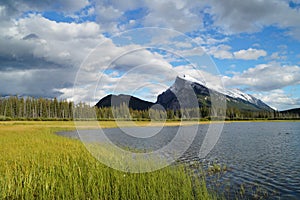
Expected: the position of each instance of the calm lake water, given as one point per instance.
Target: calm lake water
(260, 156)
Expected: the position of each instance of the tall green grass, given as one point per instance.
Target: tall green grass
(37, 164)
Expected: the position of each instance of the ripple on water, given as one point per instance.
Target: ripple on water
(264, 156)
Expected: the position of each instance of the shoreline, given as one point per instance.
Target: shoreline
(73, 125)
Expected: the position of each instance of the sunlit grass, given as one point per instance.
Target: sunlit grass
(37, 164)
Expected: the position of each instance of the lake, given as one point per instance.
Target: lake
(261, 157)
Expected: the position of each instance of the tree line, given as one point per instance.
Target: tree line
(29, 108)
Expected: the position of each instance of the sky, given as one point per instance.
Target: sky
(85, 49)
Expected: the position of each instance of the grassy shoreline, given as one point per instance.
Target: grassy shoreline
(35, 163)
(72, 125)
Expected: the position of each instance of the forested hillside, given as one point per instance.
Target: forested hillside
(19, 108)
(292, 112)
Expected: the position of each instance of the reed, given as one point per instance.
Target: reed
(37, 164)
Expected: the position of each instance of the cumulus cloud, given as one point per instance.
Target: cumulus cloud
(35, 82)
(236, 16)
(9, 9)
(168, 14)
(278, 56)
(64, 44)
(195, 51)
(45, 60)
(40, 57)
(279, 99)
(224, 52)
(265, 77)
(127, 69)
(230, 17)
(211, 79)
(50, 56)
(177, 13)
(249, 54)
(221, 51)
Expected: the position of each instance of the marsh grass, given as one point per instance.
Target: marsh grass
(37, 164)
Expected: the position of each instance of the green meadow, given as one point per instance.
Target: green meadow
(35, 163)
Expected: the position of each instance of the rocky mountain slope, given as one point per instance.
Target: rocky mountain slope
(187, 92)
(233, 98)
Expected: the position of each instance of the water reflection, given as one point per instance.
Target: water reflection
(260, 157)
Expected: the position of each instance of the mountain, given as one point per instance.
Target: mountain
(295, 111)
(117, 100)
(187, 88)
(235, 99)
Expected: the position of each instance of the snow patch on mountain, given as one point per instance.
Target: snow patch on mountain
(234, 93)
(184, 81)
(193, 80)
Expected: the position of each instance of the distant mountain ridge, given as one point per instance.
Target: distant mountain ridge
(235, 99)
(117, 100)
(295, 111)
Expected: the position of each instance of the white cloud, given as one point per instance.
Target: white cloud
(86, 94)
(196, 51)
(279, 99)
(221, 52)
(167, 14)
(35, 82)
(249, 54)
(230, 17)
(35, 39)
(109, 13)
(224, 52)
(57, 31)
(54, 51)
(183, 44)
(236, 16)
(173, 14)
(38, 50)
(133, 68)
(211, 80)
(278, 56)
(16, 8)
(265, 77)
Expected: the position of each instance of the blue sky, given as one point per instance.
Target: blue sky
(83, 50)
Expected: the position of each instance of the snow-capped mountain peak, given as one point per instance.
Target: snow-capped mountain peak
(202, 88)
(184, 81)
(236, 93)
(192, 79)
